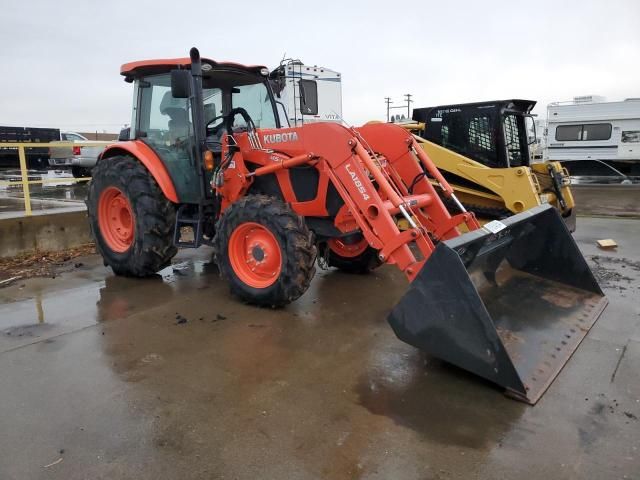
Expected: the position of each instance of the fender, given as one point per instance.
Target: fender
(149, 159)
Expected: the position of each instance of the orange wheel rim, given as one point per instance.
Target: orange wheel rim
(115, 219)
(348, 249)
(255, 255)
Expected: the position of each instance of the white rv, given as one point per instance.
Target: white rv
(298, 87)
(592, 137)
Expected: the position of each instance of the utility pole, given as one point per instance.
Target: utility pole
(407, 97)
(388, 101)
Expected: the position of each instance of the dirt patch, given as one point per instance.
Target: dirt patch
(41, 264)
(607, 270)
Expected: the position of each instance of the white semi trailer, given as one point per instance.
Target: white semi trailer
(299, 87)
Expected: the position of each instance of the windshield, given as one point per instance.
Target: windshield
(256, 101)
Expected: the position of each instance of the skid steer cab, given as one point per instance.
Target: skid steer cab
(209, 161)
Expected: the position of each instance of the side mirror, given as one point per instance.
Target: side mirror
(124, 134)
(308, 97)
(180, 83)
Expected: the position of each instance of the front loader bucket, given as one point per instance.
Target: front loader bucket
(510, 306)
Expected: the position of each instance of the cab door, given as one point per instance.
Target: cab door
(164, 123)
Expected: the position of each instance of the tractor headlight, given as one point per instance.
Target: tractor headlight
(264, 72)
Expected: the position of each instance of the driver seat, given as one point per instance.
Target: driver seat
(176, 110)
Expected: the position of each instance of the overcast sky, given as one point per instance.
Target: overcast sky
(60, 59)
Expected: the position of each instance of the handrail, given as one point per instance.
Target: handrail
(24, 174)
(102, 143)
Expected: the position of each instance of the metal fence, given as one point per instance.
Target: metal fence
(24, 171)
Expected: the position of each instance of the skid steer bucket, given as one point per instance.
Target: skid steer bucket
(510, 305)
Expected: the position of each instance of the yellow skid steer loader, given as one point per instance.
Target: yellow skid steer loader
(482, 149)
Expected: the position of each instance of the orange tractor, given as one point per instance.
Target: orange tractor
(207, 152)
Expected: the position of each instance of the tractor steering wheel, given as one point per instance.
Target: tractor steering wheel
(227, 125)
(218, 117)
(245, 115)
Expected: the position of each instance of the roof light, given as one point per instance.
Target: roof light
(206, 67)
(264, 71)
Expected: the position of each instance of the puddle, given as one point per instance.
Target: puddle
(70, 301)
(438, 401)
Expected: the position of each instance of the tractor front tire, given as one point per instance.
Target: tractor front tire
(130, 218)
(265, 251)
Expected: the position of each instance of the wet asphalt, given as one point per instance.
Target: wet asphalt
(171, 378)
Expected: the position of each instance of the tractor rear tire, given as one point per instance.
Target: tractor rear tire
(353, 257)
(265, 251)
(130, 218)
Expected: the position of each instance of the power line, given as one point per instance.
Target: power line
(407, 105)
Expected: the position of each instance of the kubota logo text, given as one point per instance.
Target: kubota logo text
(357, 182)
(280, 137)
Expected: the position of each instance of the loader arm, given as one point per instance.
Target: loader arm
(516, 186)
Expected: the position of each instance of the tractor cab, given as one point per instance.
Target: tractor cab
(172, 120)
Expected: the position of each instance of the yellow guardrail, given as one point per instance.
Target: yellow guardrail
(24, 171)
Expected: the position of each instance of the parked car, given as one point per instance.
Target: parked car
(79, 158)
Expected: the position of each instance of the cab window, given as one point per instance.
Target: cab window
(256, 101)
(586, 132)
(164, 123)
(162, 119)
(212, 100)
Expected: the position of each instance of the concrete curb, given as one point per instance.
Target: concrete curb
(50, 232)
(59, 231)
